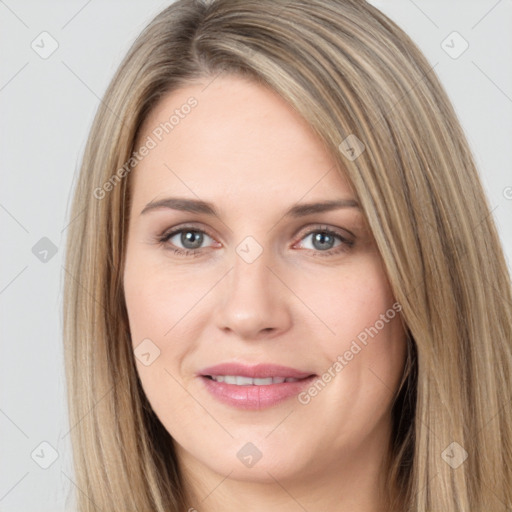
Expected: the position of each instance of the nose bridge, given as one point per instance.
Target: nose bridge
(250, 255)
(252, 301)
(249, 279)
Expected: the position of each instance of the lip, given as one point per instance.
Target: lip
(254, 397)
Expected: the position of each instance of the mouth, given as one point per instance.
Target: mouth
(241, 380)
(254, 387)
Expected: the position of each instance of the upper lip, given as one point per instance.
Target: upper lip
(257, 371)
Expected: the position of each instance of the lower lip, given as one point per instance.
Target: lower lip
(255, 397)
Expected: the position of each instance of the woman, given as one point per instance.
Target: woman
(284, 286)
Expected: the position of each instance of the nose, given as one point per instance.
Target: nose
(254, 302)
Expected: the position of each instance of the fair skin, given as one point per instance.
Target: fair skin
(300, 304)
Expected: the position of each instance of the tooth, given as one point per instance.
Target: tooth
(243, 381)
(263, 382)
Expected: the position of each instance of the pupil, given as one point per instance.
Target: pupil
(191, 237)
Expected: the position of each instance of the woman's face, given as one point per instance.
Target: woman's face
(266, 287)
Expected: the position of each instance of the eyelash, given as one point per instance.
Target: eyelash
(345, 245)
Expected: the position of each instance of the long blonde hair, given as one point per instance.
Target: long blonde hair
(349, 71)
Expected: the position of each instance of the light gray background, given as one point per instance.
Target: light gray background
(47, 107)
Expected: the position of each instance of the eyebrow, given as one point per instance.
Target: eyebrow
(204, 207)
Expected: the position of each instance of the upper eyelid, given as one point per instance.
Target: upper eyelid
(178, 229)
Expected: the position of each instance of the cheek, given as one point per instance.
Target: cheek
(159, 305)
(157, 300)
(362, 327)
(351, 300)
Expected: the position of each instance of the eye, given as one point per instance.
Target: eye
(326, 242)
(190, 238)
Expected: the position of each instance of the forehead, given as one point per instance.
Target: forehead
(231, 137)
